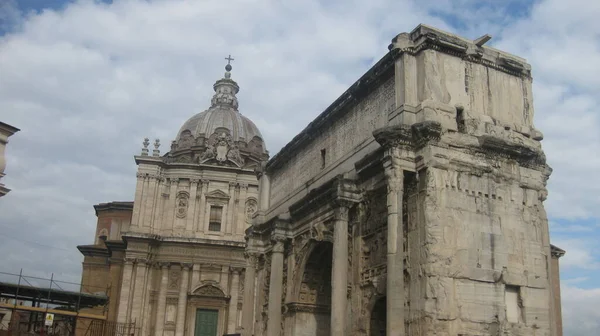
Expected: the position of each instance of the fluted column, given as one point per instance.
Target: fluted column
(240, 213)
(162, 299)
(125, 290)
(233, 309)
(248, 306)
(275, 287)
(138, 292)
(202, 218)
(339, 272)
(395, 248)
(182, 302)
(191, 214)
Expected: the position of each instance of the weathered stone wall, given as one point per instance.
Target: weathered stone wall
(342, 137)
(481, 90)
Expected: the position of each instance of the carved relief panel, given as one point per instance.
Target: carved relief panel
(251, 207)
(182, 203)
(373, 249)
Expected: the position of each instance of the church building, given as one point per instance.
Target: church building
(413, 205)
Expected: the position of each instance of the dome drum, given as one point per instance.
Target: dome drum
(218, 148)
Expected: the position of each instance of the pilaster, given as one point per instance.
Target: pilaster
(162, 299)
(182, 302)
(125, 290)
(230, 209)
(203, 216)
(233, 309)
(191, 216)
(240, 214)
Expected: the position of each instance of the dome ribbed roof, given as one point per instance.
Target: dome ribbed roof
(220, 135)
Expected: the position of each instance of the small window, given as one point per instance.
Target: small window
(323, 154)
(460, 119)
(216, 213)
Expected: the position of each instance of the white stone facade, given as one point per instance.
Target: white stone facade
(6, 131)
(185, 243)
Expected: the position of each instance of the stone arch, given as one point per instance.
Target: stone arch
(209, 290)
(313, 281)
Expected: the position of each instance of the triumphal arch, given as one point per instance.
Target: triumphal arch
(413, 205)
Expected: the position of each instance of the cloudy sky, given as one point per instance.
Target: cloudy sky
(86, 81)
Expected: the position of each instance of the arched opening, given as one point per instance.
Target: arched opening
(312, 312)
(378, 320)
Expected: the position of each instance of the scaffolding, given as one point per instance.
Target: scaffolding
(39, 306)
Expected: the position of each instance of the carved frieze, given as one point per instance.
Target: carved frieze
(174, 279)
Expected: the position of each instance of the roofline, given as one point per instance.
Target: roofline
(115, 205)
(8, 128)
(350, 96)
(556, 252)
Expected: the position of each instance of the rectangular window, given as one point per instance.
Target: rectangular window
(323, 155)
(216, 213)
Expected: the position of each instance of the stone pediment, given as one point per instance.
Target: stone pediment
(217, 194)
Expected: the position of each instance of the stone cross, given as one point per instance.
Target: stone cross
(229, 59)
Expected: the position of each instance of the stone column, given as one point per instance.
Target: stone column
(191, 213)
(161, 303)
(195, 275)
(182, 302)
(233, 302)
(275, 287)
(125, 290)
(395, 248)
(249, 281)
(138, 292)
(240, 213)
(339, 272)
(203, 223)
(230, 209)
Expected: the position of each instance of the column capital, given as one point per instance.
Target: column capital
(129, 260)
(243, 186)
(252, 257)
(194, 180)
(163, 264)
(186, 266)
(232, 184)
(174, 180)
(143, 261)
(204, 181)
(278, 242)
(236, 270)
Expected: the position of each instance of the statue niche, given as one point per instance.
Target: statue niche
(222, 149)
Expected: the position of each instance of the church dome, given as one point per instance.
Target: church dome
(220, 135)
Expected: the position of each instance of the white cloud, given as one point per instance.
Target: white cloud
(580, 310)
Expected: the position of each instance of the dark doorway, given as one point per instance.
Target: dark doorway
(378, 318)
